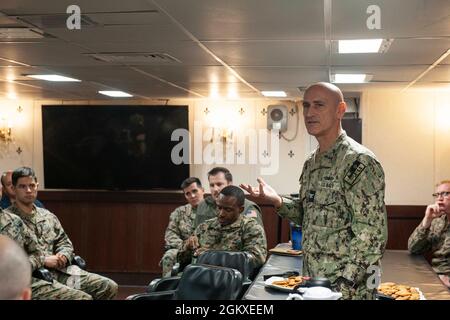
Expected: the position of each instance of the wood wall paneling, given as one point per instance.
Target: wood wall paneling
(122, 233)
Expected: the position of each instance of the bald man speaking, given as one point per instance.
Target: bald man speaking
(341, 206)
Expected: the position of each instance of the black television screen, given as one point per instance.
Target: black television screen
(112, 147)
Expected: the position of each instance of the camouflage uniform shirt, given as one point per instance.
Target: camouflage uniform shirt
(436, 238)
(13, 227)
(245, 234)
(180, 226)
(342, 212)
(51, 237)
(207, 209)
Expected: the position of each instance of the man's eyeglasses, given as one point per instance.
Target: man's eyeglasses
(444, 194)
(31, 186)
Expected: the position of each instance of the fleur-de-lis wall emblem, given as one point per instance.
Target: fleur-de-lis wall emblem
(292, 112)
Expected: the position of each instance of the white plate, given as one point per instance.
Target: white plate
(421, 295)
(268, 284)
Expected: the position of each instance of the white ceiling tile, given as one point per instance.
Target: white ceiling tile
(190, 74)
(271, 44)
(399, 18)
(151, 34)
(188, 52)
(299, 76)
(21, 7)
(249, 19)
(271, 53)
(45, 54)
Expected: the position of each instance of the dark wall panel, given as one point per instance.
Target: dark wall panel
(123, 232)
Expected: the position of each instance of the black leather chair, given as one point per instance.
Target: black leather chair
(163, 284)
(44, 274)
(241, 261)
(201, 282)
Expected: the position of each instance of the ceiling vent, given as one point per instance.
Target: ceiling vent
(150, 58)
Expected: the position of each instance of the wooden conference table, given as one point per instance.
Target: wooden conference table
(397, 266)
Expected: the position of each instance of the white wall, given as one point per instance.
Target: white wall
(284, 170)
(409, 132)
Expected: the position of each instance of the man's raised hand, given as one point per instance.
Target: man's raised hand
(264, 191)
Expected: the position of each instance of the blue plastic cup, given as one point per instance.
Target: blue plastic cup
(296, 236)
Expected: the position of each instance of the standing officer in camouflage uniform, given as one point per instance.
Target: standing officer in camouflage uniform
(341, 206)
(229, 230)
(181, 223)
(218, 179)
(433, 233)
(55, 247)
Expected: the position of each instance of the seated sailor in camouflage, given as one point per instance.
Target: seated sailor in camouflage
(218, 179)
(55, 247)
(433, 233)
(181, 223)
(229, 230)
(341, 206)
(13, 227)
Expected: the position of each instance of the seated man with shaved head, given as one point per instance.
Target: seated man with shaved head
(341, 206)
(15, 271)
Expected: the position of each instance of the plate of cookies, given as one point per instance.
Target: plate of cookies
(284, 284)
(400, 291)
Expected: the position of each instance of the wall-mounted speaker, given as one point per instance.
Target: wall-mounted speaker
(277, 116)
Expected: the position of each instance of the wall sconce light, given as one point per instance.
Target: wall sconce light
(223, 122)
(224, 135)
(5, 131)
(7, 138)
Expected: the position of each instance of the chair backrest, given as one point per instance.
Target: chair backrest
(163, 284)
(231, 259)
(206, 282)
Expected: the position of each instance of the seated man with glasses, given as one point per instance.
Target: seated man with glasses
(54, 247)
(433, 233)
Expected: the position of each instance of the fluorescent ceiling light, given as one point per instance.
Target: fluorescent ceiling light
(115, 94)
(360, 46)
(274, 93)
(52, 77)
(349, 78)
